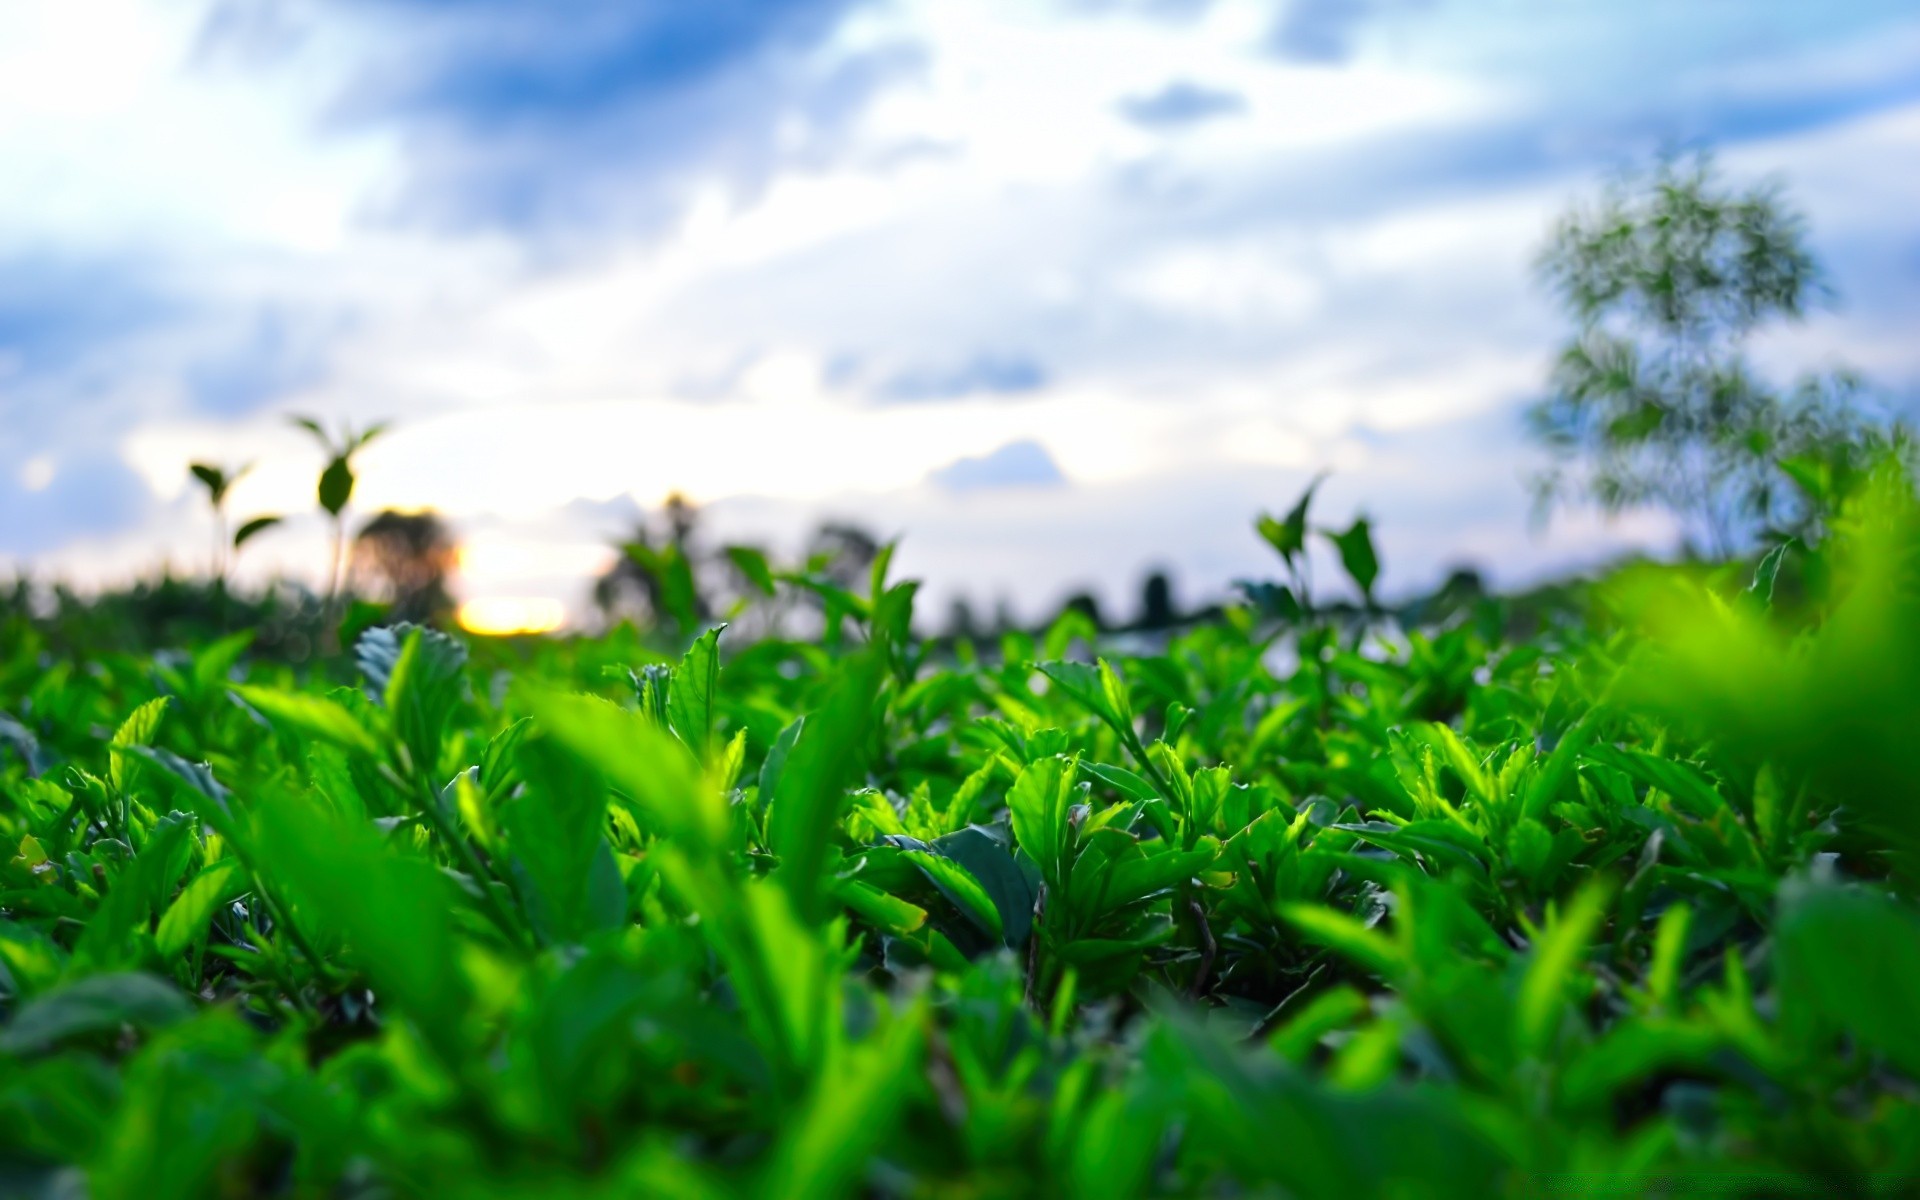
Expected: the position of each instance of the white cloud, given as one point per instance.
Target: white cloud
(1337, 277)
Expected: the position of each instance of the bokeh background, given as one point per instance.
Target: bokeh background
(1059, 290)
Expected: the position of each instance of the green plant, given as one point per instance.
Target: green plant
(218, 481)
(1447, 910)
(335, 490)
(1653, 400)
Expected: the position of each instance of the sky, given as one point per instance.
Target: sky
(1055, 291)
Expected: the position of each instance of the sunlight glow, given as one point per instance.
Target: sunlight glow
(505, 616)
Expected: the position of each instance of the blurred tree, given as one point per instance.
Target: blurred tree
(656, 580)
(409, 555)
(1087, 604)
(682, 516)
(1156, 602)
(843, 552)
(961, 623)
(1653, 401)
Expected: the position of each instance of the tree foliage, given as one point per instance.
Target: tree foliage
(1654, 400)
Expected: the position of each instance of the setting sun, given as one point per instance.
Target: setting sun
(505, 616)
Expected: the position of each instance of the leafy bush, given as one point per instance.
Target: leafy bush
(1287, 906)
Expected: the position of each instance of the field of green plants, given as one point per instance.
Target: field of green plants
(1614, 900)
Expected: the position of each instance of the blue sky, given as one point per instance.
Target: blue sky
(1056, 289)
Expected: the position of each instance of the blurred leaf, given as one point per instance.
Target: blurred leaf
(310, 716)
(250, 528)
(393, 912)
(93, 1005)
(828, 756)
(1852, 958)
(555, 826)
(753, 564)
(213, 478)
(823, 1151)
(1357, 555)
(336, 486)
(1551, 967)
(1289, 536)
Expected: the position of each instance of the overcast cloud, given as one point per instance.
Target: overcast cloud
(1057, 290)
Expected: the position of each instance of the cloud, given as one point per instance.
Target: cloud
(988, 374)
(248, 34)
(747, 227)
(1322, 31)
(1022, 464)
(1181, 104)
(48, 500)
(271, 353)
(58, 311)
(83, 334)
(612, 118)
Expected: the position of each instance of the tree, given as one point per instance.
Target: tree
(657, 580)
(1653, 402)
(1156, 603)
(411, 554)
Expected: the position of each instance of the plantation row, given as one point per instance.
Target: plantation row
(1295, 907)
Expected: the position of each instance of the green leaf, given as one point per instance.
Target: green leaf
(497, 763)
(248, 530)
(214, 478)
(1768, 571)
(310, 716)
(336, 486)
(652, 773)
(421, 674)
(690, 696)
(186, 918)
(753, 564)
(1357, 555)
(1039, 804)
(94, 1005)
(989, 862)
(1551, 967)
(1346, 934)
(1128, 784)
(896, 916)
(1081, 682)
(828, 757)
(140, 890)
(1851, 958)
(393, 912)
(555, 827)
(959, 886)
(1289, 536)
(137, 730)
(312, 426)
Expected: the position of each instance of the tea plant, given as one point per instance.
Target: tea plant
(1301, 903)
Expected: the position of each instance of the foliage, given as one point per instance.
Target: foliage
(410, 554)
(1653, 400)
(335, 490)
(1297, 902)
(219, 481)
